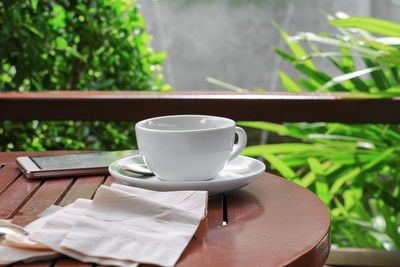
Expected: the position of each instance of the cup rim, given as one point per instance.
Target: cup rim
(139, 125)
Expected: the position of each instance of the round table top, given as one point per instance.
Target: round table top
(271, 222)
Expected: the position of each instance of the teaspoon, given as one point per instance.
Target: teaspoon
(137, 167)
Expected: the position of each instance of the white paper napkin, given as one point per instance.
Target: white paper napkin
(124, 225)
(18, 247)
(53, 233)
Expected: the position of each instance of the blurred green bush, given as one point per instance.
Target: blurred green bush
(74, 45)
(353, 168)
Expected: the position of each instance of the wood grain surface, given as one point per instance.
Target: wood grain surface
(271, 222)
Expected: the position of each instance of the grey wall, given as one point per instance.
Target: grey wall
(231, 40)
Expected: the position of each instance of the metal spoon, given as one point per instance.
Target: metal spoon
(10, 229)
(138, 167)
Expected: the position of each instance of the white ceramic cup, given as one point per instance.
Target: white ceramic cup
(188, 147)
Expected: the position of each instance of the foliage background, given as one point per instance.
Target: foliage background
(354, 169)
(74, 45)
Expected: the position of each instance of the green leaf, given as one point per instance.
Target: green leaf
(284, 55)
(348, 65)
(296, 48)
(33, 30)
(319, 77)
(34, 4)
(315, 166)
(75, 53)
(383, 156)
(280, 166)
(353, 44)
(226, 85)
(322, 189)
(373, 25)
(279, 149)
(346, 177)
(378, 76)
(309, 84)
(288, 83)
(380, 46)
(61, 43)
(266, 126)
(358, 141)
(317, 169)
(345, 77)
(347, 60)
(395, 73)
(321, 54)
(308, 179)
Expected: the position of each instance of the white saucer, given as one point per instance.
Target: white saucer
(237, 173)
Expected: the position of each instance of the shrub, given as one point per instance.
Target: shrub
(354, 169)
(74, 45)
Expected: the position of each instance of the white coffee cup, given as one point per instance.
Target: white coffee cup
(188, 147)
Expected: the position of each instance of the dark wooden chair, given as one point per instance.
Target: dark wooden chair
(274, 107)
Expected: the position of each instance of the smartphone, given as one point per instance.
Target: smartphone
(70, 164)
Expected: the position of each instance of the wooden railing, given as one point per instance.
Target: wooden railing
(131, 106)
(273, 107)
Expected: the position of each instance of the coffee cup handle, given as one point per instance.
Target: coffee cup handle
(241, 144)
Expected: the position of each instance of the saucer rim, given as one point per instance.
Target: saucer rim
(153, 179)
(214, 188)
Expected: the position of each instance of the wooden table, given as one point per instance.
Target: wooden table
(271, 222)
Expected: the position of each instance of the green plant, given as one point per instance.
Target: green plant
(354, 169)
(74, 45)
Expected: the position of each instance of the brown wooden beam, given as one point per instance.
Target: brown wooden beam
(365, 257)
(134, 105)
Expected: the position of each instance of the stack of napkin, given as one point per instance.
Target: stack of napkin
(121, 226)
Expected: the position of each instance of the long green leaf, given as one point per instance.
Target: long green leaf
(296, 48)
(379, 159)
(315, 166)
(373, 25)
(319, 76)
(266, 126)
(353, 44)
(226, 85)
(279, 149)
(280, 166)
(348, 65)
(316, 169)
(345, 77)
(395, 73)
(308, 179)
(378, 76)
(284, 55)
(288, 83)
(322, 189)
(359, 142)
(309, 84)
(346, 177)
(347, 60)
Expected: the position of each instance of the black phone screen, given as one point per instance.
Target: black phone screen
(75, 161)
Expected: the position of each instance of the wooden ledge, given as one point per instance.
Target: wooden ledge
(137, 105)
(363, 257)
